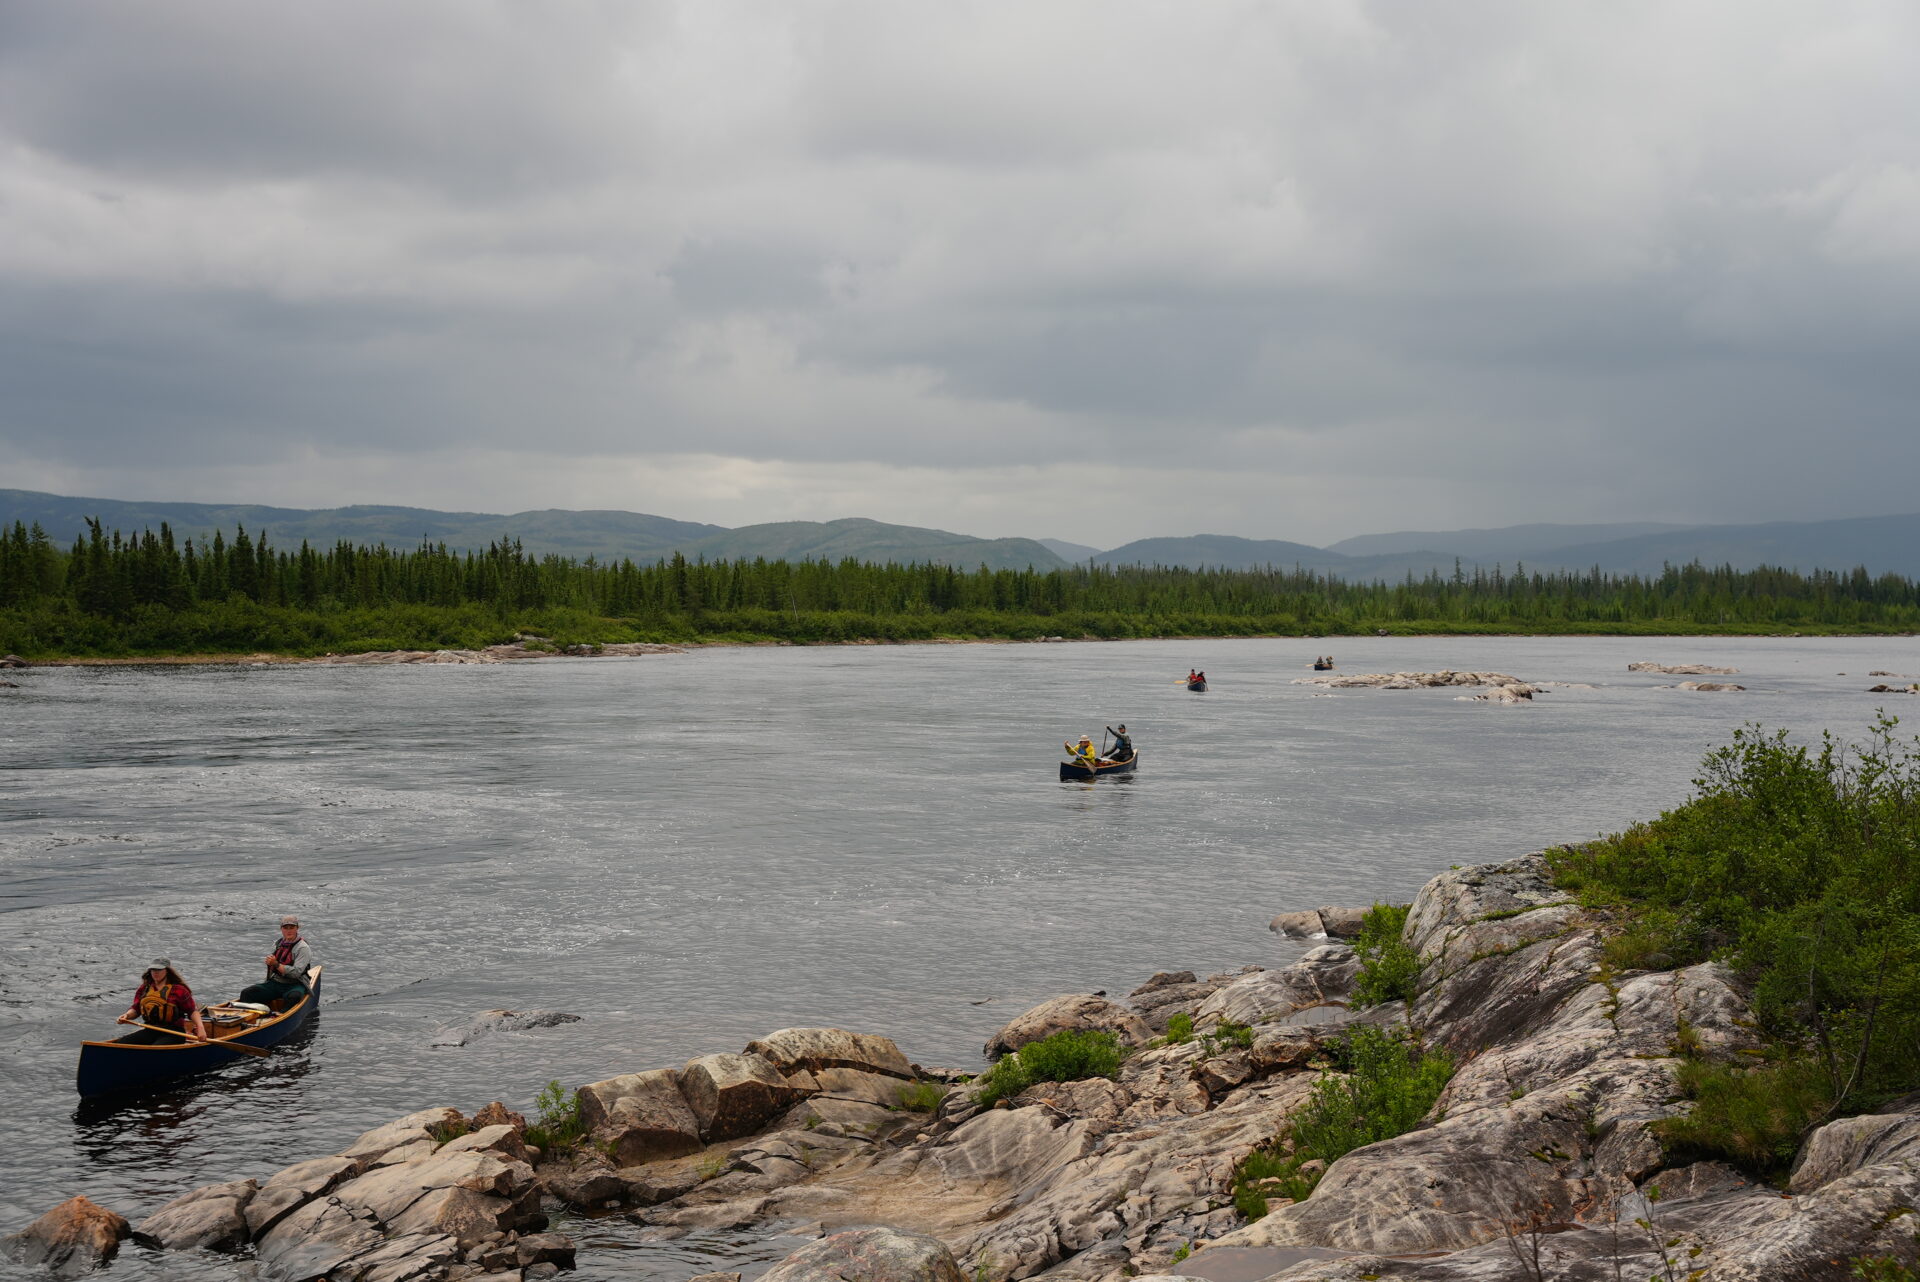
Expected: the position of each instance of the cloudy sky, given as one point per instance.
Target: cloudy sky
(1295, 269)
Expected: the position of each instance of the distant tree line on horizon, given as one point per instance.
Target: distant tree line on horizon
(149, 594)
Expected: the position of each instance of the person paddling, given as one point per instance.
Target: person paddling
(163, 1000)
(1122, 745)
(287, 967)
(1083, 752)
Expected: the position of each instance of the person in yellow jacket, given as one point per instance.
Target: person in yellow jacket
(1083, 753)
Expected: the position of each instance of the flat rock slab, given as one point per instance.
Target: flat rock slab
(213, 1217)
(291, 1187)
(414, 1127)
(869, 1255)
(813, 1049)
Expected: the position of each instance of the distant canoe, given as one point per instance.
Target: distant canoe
(1198, 687)
(135, 1066)
(1071, 770)
(1323, 667)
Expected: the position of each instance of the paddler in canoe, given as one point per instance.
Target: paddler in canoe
(1083, 753)
(163, 1001)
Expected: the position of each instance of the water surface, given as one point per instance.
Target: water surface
(692, 850)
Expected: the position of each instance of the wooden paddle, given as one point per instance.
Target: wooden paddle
(258, 1052)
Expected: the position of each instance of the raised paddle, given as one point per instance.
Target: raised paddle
(258, 1052)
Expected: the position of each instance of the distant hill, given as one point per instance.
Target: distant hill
(1884, 544)
(603, 534)
(1505, 544)
(866, 540)
(1074, 552)
(576, 534)
(1222, 551)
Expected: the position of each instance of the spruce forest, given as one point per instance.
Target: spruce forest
(111, 595)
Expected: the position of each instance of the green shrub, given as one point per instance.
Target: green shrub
(1254, 1180)
(1226, 1035)
(1380, 1084)
(1389, 968)
(1753, 1118)
(1179, 1029)
(1881, 1268)
(560, 1127)
(921, 1097)
(1066, 1056)
(1800, 866)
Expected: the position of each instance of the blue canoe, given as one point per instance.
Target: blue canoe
(1074, 770)
(107, 1067)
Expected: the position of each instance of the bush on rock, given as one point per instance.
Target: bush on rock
(1067, 1056)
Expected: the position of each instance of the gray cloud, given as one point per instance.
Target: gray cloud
(1387, 264)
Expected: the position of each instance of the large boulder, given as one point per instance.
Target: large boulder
(793, 1049)
(869, 1255)
(1076, 1012)
(641, 1116)
(586, 1180)
(735, 1095)
(213, 1217)
(73, 1238)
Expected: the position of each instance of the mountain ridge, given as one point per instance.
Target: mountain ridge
(1883, 544)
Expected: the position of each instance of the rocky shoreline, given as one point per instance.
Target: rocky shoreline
(1537, 1161)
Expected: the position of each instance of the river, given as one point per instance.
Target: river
(691, 850)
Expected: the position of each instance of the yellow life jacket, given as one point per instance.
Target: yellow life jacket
(157, 1005)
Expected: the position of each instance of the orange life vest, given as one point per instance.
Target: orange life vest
(159, 1005)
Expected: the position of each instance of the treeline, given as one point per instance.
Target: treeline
(151, 593)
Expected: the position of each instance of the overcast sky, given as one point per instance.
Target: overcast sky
(1296, 269)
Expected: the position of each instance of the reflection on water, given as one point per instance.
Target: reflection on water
(690, 851)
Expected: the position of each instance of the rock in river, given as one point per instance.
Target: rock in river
(73, 1238)
(502, 1021)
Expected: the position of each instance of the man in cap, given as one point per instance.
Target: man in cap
(287, 968)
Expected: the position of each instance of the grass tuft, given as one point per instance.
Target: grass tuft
(560, 1127)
